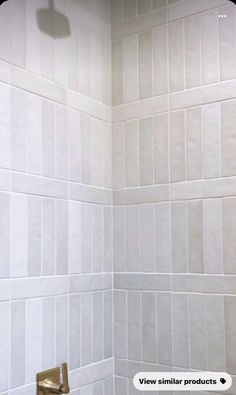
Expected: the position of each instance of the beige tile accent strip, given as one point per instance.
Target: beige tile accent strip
(141, 108)
(142, 281)
(90, 194)
(90, 282)
(52, 187)
(203, 95)
(187, 190)
(181, 282)
(212, 93)
(86, 104)
(142, 22)
(201, 189)
(38, 85)
(35, 287)
(146, 194)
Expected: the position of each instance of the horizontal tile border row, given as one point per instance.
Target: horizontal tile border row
(186, 190)
(33, 83)
(37, 287)
(17, 182)
(54, 188)
(217, 92)
(175, 11)
(176, 283)
(78, 377)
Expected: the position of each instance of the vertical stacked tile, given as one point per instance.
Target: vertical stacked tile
(56, 238)
(174, 191)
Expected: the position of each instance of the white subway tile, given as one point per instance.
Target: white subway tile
(62, 338)
(86, 346)
(160, 54)
(86, 149)
(164, 329)
(147, 238)
(33, 339)
(73, 124)
(197, 331)
(215, 333)
(117, 72)
(74, 331)
(48, 333)
(98, 326)
(133, 238)
(144, 6)
(210, 57)
(146, 151)
(195, 237)
(5, 346)
(32, 38)
(107, 239)
(134, 325)
(177, 145)
(194, 143)
(145, 64)
(61, 237)
(34, 236)
(75, 230)
(48, 237)
(119, 226)
(118, 152)
(129, 9)
(61, 142)
(176, 55)
(19, 102)
(227, 30)
(121, 386)
(212, 144)
(179, 237)
(5, 124)
(97, 238)
(180, 330)
(229, 234)
(131, 92)
(120, 325)
(192, 51)
(86, 238)
(17, 353)
(108, 324)
(149, 327)
(19, 256)
(48, 139)
(83, 60)
(213, 236)
(5, 234)
(163, 237)
(228, 137)
(132, 153)
(230, 331)
(34, 135)
(162, 149)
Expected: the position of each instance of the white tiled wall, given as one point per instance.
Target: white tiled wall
(55, 198)
(174, 193)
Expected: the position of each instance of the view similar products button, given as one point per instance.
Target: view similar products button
(185, 381)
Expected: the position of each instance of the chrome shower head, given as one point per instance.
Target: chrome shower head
(2, 1)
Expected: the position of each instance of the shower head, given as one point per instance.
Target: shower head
(2, 1)
(233, 1)
(53, 22)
